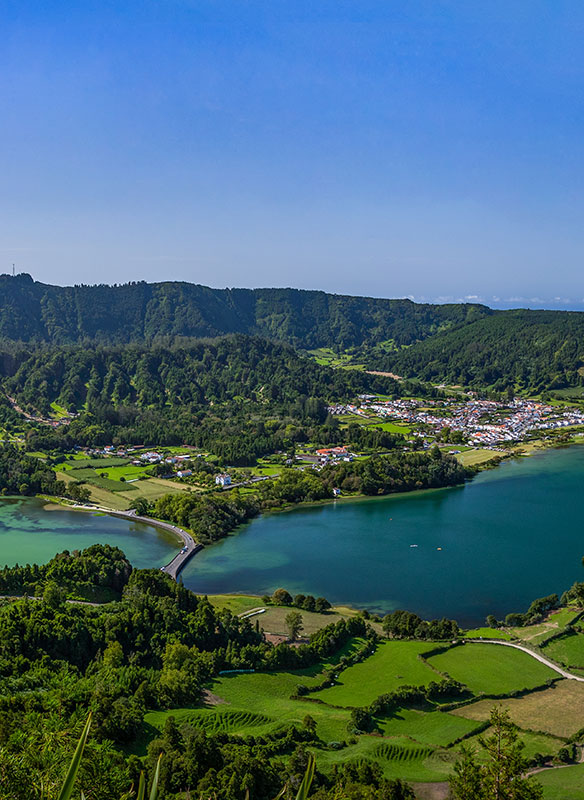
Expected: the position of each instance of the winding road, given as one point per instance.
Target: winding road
(533, 654)
(191, 547)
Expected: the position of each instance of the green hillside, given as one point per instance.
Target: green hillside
(137, 312)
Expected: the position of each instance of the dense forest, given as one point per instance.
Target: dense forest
(138, 312)
(238, 396)
(468, 344)
(23, 475)
(199, 374)
(153, 648)
(525, 350)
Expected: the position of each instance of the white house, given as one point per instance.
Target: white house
(223, 480)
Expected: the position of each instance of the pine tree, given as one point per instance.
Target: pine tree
(501, 776)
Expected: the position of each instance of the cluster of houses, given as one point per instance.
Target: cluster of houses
(332, 455)
(482, 422)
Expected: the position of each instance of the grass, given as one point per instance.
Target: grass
(567, 649)
(492, 669)
(486, 633)
(533, 743)
(537, 634)
(392, 427)
(428, 727)
(274, 620)
(58, 411)
(398, 758)
(236, 603)
(393, 664)
(472, 458)
(100, 464)
(562, 784)
(557, 710)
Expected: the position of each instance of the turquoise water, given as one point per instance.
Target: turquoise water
(512, 534)
(29, 534)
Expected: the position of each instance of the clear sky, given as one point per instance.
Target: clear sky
(426, 149)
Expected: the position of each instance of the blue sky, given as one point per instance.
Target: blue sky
(424, 149)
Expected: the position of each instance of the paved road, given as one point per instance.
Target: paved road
(531, 653)
(191, 547)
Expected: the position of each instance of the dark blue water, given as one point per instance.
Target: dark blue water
(512, 534)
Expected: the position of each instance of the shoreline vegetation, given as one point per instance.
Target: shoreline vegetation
(186, 537)
(402, 695)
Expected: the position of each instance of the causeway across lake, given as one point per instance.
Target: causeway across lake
(511, 534)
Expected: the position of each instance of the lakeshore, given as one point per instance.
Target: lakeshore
(480, 548)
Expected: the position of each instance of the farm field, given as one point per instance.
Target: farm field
(393, 427)
(557, 621)
(557, 710)
(567, 649)
(486, 633)
(393, 664)
(274, 620)
(566, 783)
(433, 728)
(492, 669)
(117, 494)
(472, 458)
(399, 757)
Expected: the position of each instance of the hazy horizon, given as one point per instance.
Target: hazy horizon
(496, 302)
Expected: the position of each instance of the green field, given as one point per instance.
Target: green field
(427, 727)
(555, 622)
(486, 633)
(492, 669)
(532, 743)
(393, 664)
(566, 783)
(473, 458)
(414, 744)
(392, 427)
(567, 649)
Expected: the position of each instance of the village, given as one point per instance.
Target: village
(478, 422)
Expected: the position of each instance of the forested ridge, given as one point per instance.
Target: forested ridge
(469, 344)
(138, 312)
(526, 350)
(196, 374)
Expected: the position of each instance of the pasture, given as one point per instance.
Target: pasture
(567, 649)
(492, 669)
(474, 458)
(393, 664)
(566, 783)
(434, 728)
(557, 710)
(399, 757)
(486, 633)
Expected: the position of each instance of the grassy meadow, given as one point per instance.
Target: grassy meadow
(492, 669)
(416, 744)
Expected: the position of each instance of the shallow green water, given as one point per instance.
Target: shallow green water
(29, 534)
(512, 534)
